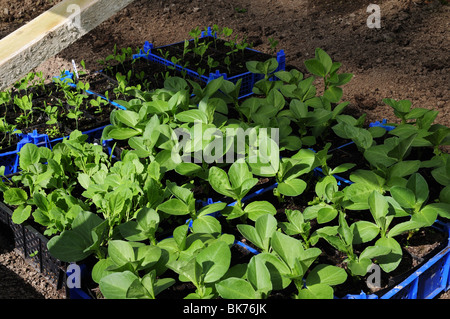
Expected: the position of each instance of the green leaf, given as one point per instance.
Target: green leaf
(378, 205)
(404, 227)
(28, 155)
(326, 274)
(364, 231)
(419, 187)
(174, 206)
(15, 196)
(211, 208)
(120, 252)
(318, 291)
(258, 275)
(192, 116)
(129, 118)
(390, 261)
(374, 251)
(215, 261)
(21, 214)
(404, 196)
(428, 215)
(116, 285)
(278, 270)
(250, 233)
(265, 226)
(359, 267)
(69, 246)
(188, 169)
(333, 94)
(443, 209)
(218, 179)
(259, 208)
(288, 248)
(324, 58)
(122, 133)
(206, 225)
(326, 214)
(236, 288)
(292, 187)
(315, 67)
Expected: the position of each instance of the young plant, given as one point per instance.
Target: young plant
(51, 112)
(260, 234)
(296, 262)
(98, 103)
(119, 275)
(25, 103)
(342, 238)
(290, 169)
(75, 100)
(256, 283)
(182, 202)
(195, 33)
(297, 224)
(186, 49)
(234, 184)
(212, 63)
(204, 268)
(273, 45)
(201, 49)
(323, 66)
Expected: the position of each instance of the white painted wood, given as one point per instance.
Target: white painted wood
(50, 33)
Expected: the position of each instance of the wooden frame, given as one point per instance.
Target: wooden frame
(49, 33)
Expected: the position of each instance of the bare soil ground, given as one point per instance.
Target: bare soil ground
(407, 58)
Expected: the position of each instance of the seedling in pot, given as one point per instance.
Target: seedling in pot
(76, 101)
(98, 103)
(51, 112)
(25, 103)
(273, 45)
(8, 130)
(322, 66)
(212, 63)
(342, 238)
(234, 184)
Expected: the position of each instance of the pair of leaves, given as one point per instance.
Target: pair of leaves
(236, 184)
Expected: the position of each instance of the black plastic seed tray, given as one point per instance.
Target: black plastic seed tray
(32, 245)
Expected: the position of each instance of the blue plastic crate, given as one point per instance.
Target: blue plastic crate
(248, 78)
(67, 76)
(11, 159)
(426, 282)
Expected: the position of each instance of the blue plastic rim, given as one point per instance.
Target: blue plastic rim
(248, 79)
